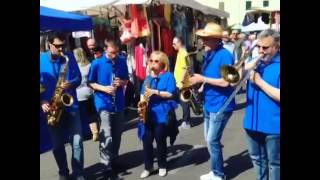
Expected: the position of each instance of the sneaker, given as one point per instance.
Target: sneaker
(145, 173)
(185, 125)
(162, 172)
(208, 176)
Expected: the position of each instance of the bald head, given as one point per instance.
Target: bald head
(91, 43)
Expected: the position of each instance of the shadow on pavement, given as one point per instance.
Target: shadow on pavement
(240, 106)
(237, 164)
(121, 166)
(189, 156)
(196, 121)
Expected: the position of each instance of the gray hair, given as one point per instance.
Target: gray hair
(270, 32)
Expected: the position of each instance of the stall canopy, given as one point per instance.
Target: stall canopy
(82, 5)
(52, 19)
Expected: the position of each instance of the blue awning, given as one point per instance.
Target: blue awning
(52, 19)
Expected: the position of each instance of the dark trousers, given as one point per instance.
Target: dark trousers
(157, 132)
(185, 110)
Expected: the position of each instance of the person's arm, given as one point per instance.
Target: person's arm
(271, 91)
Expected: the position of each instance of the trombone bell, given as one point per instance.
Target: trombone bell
(230, 74)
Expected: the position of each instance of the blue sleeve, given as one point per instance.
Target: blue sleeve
(143, 85)
(124, 69)
(74, 72)
(92, 76)
(226, 59)
(171, 84)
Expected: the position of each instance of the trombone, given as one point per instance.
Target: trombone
(234, 75)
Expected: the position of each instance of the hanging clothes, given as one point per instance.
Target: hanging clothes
(140, 62)
(167, 13)
(167, 37)
(139, 26)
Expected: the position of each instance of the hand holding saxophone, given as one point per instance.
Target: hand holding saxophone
(45, 105)
(65, 85)
(196, 78)
(149, 92)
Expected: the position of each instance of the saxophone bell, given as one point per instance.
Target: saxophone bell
(67, 99)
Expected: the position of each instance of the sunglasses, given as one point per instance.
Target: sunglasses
(263, 47)
(57, 46)
(156, 61)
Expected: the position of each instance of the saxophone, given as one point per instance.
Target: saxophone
(190, 93)
(143, 105)
(60, 98)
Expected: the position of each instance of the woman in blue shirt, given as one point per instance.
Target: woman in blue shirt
(159, 87)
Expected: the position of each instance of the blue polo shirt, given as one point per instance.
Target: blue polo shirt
(49, 74)
(215, 96)
(101, 73)
(160, 107)
(262, 112)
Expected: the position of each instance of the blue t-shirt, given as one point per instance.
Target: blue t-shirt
(215, 96)
(49, 75)
(262, 112)
(160, 107)
(101, 73)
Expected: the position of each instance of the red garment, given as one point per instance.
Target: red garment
(167, 37)
(126, 35)
(139, 26)
(140, 64)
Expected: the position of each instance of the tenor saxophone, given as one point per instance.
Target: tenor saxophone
(60, 98)
(190, 94)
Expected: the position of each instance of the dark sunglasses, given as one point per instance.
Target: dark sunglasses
(263, 47)
(156, 61)
(59, 45)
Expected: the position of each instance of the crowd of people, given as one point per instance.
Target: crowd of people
(98, 84)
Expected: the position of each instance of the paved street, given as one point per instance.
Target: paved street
(188, 158)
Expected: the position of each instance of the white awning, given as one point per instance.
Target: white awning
(80, 5)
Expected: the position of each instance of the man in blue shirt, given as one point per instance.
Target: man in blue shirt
(262, 116)
(51, 65)
(216, 92)
(107, 76)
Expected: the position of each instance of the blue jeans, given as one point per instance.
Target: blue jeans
(213, 129)
(110, 135)
(69, 121)
(264, 151)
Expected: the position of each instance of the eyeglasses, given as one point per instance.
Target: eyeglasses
(57, 46)
(263, 47)
(156, 61)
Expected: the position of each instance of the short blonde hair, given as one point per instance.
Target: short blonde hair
(163, 58)
(80, 56)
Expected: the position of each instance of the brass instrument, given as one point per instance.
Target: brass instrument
(190, 93)
(239, 85)
(230, 73)
(60, 98)
(143, 105)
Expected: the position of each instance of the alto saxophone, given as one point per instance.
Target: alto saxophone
(60, 98)
(143, 105)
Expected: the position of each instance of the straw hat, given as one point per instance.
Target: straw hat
(212, 30)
